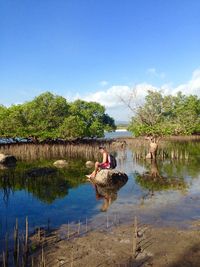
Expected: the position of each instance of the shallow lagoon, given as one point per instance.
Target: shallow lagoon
(172, 196)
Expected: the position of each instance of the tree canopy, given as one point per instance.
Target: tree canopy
(51, 116)
(167, 115)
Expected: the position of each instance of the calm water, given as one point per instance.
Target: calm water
(161, 192)
(118, 134)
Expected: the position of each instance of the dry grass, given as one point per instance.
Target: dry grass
(30, 151)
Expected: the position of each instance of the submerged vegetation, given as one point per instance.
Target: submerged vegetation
(49, 116)
(167, 115)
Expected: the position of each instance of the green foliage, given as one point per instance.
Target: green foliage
(13, 121)
(45, 114)
(72, 127)
(50, 116)
(86, 119)
(167, 115)
(3, 115)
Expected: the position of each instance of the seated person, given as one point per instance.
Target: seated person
(105, 164)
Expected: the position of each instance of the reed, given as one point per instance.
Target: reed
(68, 231)
(4, 260)
(43, 262)
(79, 227)
(26, 240)
(20, 247)
(24, 245)
(32, 261)
(29, 151)
(107, 221)
(16, 244)
(6, 248)
(135, 231)
(72, 260)
(86, 225)
(39, 236)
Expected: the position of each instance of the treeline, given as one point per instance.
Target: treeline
(167, 115)
(50, 116)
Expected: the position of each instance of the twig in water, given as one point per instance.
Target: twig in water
(79, 227)
(72, 260)
(68, 233)
(86, 225)
(135, 237)
(107, 221)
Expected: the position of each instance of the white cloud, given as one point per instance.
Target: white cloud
(153, 72)
(191, 87)
(110, 97)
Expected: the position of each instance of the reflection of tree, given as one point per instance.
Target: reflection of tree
(109, 192)
(45, 183)
(154, 181)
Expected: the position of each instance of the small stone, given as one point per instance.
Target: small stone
(61, 163)
(89, 164)
(7, 159)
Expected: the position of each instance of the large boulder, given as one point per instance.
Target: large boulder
(7, 159)
(107, 185)
(113, 178)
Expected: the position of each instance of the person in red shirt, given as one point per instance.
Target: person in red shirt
(105, 164)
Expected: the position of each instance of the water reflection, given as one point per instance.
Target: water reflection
(45, 183)
(156, 180)
(109, 192)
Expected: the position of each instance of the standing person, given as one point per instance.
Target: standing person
(105, 164)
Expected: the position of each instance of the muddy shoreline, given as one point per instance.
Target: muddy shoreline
(118, 245)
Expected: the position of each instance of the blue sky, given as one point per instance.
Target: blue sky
(98, 49)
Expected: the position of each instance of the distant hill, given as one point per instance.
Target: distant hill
(121, 124)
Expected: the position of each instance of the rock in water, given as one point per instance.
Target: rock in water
(89, 164)
(61, 163)
(7, 159)
(110, 177)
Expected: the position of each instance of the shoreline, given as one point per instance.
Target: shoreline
(86, 148)
(78, 141)
(119, 245)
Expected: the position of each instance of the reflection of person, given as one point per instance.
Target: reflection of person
(109, 192)
(105, 164)
(108, 197)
